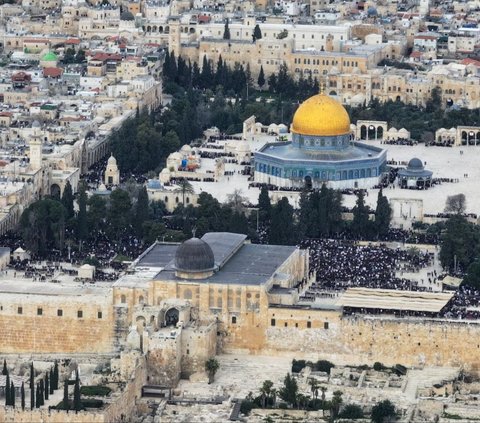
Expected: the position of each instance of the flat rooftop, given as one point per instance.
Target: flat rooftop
(390, 299)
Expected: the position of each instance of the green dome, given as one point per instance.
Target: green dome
(50, 57)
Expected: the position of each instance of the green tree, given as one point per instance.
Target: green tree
(383, 412)
(383, 214)
(50, 378)
(472, 278)
(55, 375)
(77, 402)
(257, 33)
(32, 387)
(12, 394)
(314, 387)
(97, 212)
(82, 219)
(80, 56)
(141, 210)
(456, 204)
(66, 405)
(185, 187)
(226, 31)
(336, 403)
(459, 244)
(352, 412)
(22, 395)
(289, 391)
(119, 212)
(211, 367)
(360, 223)
(7, 390)
(282, 228)
(266, 391)
(264, 205)
(47, 386)
(261, 78)
(67, 200)
(5, 370)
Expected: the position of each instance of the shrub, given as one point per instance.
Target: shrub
(298, 365)
(382, 411)
(92, 403)
(246, 406)
(283, 406)
(400, 370)
(378, 366)
(324, 366)
(351, 411)
(95, 390)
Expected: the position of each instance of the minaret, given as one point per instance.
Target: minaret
(35, 144)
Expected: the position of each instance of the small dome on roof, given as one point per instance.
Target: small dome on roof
(112, 161)
(415, 164)
(154, 184)
(36, 124)
(49, 57)
(186, 149)
(194, 255)
(102, 188)
(127, 16)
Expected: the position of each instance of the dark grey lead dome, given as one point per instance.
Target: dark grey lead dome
(194, 255)
(415, 164)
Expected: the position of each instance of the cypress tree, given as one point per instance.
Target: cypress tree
(55, 375)
(32, 387)
(257, 33)
(7, 390)
(383, 214)
(141, 210)
(37, 396)
(41, 393)
(12, 394)
(261, 78)
(5, 370)
(47, 386)
(22, 394)
(360, 223)
(77, 403)
(264, 205)
(66, 405)
(52, 382)
(67, 200)
(226, 31)
(82, 226)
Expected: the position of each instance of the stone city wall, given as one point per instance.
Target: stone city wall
(54, 324)
(10, 414)
(361, 340)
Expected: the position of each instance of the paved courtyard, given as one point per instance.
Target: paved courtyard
(442, 161)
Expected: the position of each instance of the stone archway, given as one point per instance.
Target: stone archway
(308, 183)
(171, 317)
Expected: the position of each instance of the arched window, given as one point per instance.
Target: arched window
(123, 299)
(234, 320)
(166, 199)
(176, 200)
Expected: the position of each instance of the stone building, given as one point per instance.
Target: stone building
(112, 173)
(321, 151)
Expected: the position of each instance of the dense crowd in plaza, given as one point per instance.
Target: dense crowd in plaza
(342, 264)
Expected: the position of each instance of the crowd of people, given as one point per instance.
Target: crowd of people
(342, 264)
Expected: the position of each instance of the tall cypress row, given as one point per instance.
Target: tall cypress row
(12, 394)
(32, 387)
(7, 390)
(22, 395)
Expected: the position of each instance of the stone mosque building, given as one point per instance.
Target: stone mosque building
(321, 151)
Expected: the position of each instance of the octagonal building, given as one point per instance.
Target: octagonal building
(321, 151)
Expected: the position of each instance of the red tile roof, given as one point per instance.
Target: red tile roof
(52, 72)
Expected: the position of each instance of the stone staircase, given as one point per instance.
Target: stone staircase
(427, 377)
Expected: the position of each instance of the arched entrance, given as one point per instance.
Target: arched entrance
(308, 182)
(171, 317)
(363, 132)
(55, 191)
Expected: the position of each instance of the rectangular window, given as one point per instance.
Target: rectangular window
(309, 325)
(20, 310)
(39, 311)
(286, 324)
(325, 325)
(272, 322)
(79, 314)
(59, 312)
(99, 315)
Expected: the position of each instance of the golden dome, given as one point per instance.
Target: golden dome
(321, 115)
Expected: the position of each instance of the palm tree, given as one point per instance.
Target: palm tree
(323, 389)
(185, 187)
(314, 386)
(266, 391)
(273, 393)
(211, 366)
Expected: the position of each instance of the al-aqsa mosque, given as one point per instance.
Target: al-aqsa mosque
(321, 151)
